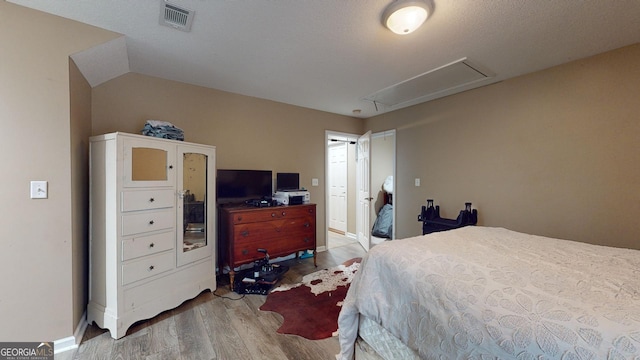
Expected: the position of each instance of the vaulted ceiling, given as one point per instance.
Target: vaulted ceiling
(335, 55)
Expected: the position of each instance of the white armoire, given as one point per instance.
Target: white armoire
(152, 227)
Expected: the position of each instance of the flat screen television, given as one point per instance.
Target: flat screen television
(287, 181)
(238, 186)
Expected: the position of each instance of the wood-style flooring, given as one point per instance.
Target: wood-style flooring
(220, 325)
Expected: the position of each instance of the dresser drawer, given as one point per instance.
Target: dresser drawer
(277, 237)
(247, 251)
(136, 223)
(147, 245)
(267, 214)
(147, 199)
(146, 267)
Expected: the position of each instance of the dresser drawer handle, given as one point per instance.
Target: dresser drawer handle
(239, 218)
(284, 213)
(151, 268)
(307, 225)
(273, 214)
(245, 233)
(152, 245)
(306, 239)
(152, 200)
(151, 222)
(245, 251)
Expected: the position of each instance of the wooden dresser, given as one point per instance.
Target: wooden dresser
(281, 230)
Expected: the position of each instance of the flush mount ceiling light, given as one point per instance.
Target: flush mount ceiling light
(405, 16)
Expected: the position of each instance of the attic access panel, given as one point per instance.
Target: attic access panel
(432, 83)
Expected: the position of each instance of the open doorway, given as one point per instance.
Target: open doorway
(340, 180)
(341, 192)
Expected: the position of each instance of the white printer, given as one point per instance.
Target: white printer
(292, 197)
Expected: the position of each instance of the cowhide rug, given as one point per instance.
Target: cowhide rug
(310, 309)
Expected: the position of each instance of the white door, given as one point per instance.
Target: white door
(363, 184)
(338, 186)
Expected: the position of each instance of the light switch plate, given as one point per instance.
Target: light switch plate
(314, 182)
(417, 181)
(38, 189)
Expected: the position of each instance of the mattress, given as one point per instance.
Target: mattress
(477, 292)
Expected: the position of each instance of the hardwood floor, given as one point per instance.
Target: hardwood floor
(336, 239)
(220, 325)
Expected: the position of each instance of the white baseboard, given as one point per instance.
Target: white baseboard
(71, 342)
(321, 248)
(351, 235)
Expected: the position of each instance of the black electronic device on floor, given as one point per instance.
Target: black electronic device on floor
(261, 278)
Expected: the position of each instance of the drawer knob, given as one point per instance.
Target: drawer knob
(306, 239)
(151, 267)
(151, 222)
(284, 213)
(307, 225)
(273, 214)
(239, 218)
(152, 200)
(245, 251)
(151, 245)
(245, 233)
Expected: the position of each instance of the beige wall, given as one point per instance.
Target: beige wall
(554, 153)
(39, 301)
(248, 133)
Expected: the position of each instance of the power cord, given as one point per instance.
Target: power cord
(227, 297)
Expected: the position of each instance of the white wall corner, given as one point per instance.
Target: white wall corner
(103, 62)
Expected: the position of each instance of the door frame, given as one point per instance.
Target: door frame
(363, 188)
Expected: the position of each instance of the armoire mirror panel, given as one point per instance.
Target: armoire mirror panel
(194, 194)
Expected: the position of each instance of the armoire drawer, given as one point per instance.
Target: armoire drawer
(146, 221)
(147, 267)
(147, 245)
(147, 199)
(135, 297)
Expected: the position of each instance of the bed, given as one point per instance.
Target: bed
(491, 293)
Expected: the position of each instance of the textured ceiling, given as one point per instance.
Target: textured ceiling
(330, 55)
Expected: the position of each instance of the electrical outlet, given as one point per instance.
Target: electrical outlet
(39, 190)
(417, 181)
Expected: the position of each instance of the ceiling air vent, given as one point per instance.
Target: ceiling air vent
(457, 76)
(175, 16)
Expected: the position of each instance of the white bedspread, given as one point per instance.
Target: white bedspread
(492, 293)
